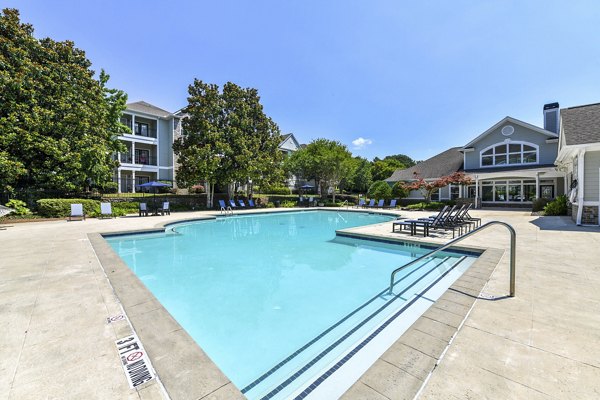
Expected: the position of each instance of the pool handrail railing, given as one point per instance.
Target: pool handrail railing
(513, 242)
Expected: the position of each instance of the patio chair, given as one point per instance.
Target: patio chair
(232, 204)
(381, 203)
(242, 204)
(392, 204)
(165, 208)
(301, 201)
(311, 202)
(106, 210)
(361, 204)
(77, 212)
(371, 204)
(143, 209)
(251, 203)
(468, 217)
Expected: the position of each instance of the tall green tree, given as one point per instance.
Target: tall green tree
(382, 170)
(58, 123)
(228, 138)
(360, 175)
(328, 162)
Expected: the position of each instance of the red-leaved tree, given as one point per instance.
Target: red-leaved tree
(428, 188)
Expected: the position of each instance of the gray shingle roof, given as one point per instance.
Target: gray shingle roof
(443, 164)
(147, 108)
(581, 124)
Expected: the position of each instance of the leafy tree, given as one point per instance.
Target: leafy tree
(427, 188)
(402, 158)
(360, 177)
(399, 190)
(328, 162)
(380, 190)
(58, 124)
(382, 170)
(227, 139)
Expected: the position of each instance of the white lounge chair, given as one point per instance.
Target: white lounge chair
(106, 210)
(165, 208)
(77, 212)
(143, 209)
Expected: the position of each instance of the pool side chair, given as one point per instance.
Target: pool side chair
(251, 203)
(468, 217)
(392, 204)
(361, 204)
(242, 204)
(143, 209)
(312, 202)
(232, 204)
(106, 210)
(222, 205)
(77, 212)
(371, 204)
(381, 203)
(166, 209)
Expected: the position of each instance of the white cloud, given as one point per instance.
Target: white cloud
(360, 143)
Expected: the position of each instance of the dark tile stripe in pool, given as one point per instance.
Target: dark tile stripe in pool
(308, 365)
(270, 372)
(355, 350)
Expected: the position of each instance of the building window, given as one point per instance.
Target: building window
(454, 192)
(435, 196)
(513, 153)
(141, 129)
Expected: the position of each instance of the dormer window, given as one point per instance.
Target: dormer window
(511, 153)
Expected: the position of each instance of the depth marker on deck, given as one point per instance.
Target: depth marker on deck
(136, 364)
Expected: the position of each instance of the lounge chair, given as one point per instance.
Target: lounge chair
(232, 204)
(224, 207)
(468, 217)
(106, 210)
(380, 203)
(371, 204)
(392, 204)
(361, 204)
(77, 212)
(165, 208)
(242, 204)
(301, 201)
(251, 203)
(312, 202)
(143, 209)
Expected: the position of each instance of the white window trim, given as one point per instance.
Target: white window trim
(507, 143)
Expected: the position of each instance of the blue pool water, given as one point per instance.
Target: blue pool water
(274, 299)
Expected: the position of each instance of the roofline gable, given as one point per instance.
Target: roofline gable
(512, 121)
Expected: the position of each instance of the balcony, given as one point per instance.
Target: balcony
(142, 159)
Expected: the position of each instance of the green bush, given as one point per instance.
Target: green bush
(558, 206)
(277, 190)
(110, 187)
(59, 208)
(122, 208)
(380, 190)
(270, 204)
(19, 207)
(399, 191)
(433, 206)
(539, 204)
(332, 204)
(288, 204)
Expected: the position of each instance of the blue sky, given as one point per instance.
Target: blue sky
(406, 77)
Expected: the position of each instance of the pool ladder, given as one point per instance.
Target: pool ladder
(513, 245)
(345, 203)
(227, 210)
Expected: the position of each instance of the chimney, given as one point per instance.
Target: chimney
(551, 121)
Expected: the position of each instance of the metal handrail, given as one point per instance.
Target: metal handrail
(513, 241)
(345, 202)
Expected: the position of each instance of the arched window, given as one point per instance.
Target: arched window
(510, 153)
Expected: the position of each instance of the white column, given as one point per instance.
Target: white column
(133, 124)
(580, 186)
(537, 185)
(477, 205)
(133, 152)
(157, 146)
(133, 180)
(119, 180)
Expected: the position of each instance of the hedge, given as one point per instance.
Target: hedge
(59, 208)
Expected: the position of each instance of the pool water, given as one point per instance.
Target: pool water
(275, 299)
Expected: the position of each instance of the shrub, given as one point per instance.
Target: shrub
(277, 190)
(539, 204)
(380, 190)
(110, 187)
(433, 205)
(122, 208)
(399, 191)
(19, 207)
(59, 208)
(270, 204)
(288, 204)
(558, 206)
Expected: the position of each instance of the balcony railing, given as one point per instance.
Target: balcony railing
(128, 158)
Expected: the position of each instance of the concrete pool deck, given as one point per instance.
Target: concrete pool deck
(55, 341)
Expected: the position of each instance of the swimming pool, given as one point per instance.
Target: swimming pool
(276, 300)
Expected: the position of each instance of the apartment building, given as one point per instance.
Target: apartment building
(149, 146)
